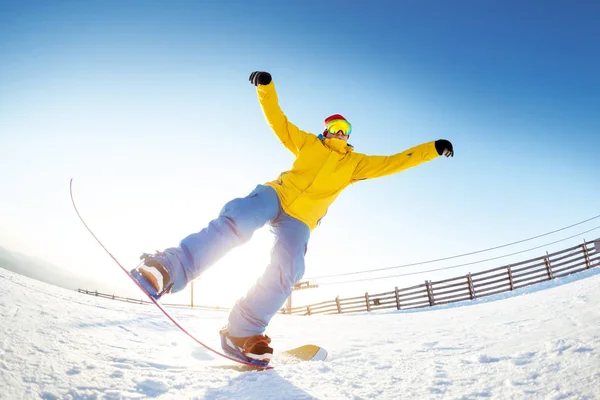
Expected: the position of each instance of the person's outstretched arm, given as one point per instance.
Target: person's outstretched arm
(376, 166)
(289, 134)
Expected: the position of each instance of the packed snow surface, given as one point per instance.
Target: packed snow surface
(541, 342)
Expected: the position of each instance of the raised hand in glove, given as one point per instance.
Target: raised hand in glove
(444, 148)
(260, 78)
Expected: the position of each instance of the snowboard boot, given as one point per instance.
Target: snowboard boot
(253, 349)
(152, 276)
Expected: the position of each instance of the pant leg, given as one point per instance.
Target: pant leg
(252, 313)
(234, 226)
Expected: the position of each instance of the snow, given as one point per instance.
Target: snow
(542, 342)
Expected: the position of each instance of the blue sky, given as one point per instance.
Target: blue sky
(147, 105)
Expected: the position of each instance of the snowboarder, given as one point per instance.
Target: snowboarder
(292, 205)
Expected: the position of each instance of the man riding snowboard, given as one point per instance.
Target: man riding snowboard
(292, 205)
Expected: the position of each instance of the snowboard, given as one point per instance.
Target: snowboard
(308, 352)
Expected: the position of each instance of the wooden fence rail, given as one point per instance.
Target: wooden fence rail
(140, 301)
(472, 286)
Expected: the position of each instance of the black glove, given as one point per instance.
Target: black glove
(260, 78)
(443, 144)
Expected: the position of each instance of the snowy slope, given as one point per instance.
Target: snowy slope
(543, 344)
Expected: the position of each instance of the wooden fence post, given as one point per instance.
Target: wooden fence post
(368, 301)
(548, 267)
(471, 287)
(192, 295)
(510, 278)
(429, 293)
(337, 303)
(585, 253)
(397, 297)
(307, 310)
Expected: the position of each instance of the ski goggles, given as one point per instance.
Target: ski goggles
(337, 125)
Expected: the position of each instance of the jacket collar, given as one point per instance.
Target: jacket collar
(337, 145)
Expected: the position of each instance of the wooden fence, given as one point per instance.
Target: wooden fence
(139, 301)
(468, 287)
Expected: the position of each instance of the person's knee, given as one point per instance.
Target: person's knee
(237, 218)
(293, 272)
(230, 207)
(298, 274)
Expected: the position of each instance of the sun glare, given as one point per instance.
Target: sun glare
(232, 276)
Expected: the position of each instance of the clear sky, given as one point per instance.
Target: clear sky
(147, 105)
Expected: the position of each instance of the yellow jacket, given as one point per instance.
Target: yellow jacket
(325, 167)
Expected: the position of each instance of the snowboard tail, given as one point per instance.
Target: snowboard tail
(308, 352)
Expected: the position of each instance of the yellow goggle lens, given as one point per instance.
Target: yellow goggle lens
(337, 125)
